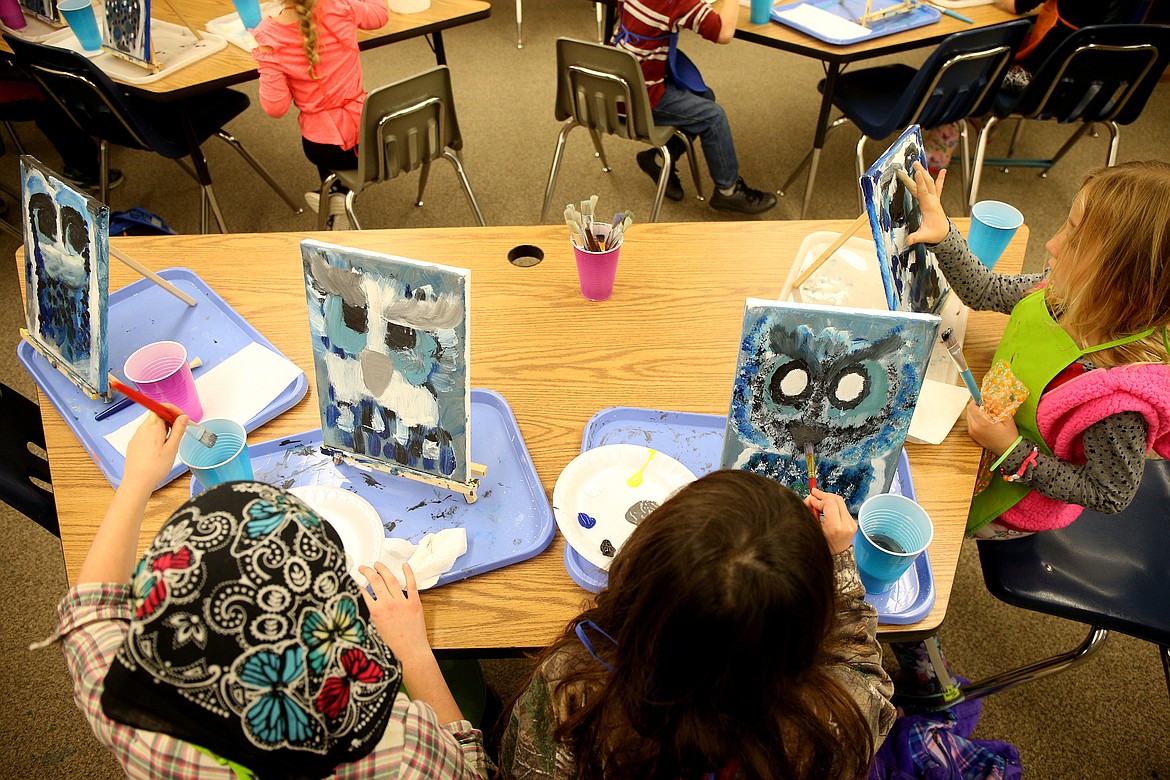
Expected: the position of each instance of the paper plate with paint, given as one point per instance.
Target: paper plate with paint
(605, 492)
(355, 520)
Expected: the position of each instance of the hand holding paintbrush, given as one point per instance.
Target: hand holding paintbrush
(205, 437)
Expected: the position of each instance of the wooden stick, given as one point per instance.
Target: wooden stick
(175, 11)
(152, 276)
(824, 256)
(469, 489)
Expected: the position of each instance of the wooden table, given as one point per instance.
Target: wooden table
(667, 339)
(233, 65)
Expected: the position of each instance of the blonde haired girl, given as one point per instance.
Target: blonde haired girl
(307, 55)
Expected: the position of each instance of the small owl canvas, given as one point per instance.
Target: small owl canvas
(66, 275)
(127, 30)
(910, 274)
(844, 380)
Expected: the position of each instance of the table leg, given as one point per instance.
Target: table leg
(437, 45)
(822, 130)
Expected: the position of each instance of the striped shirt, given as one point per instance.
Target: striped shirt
(94, 619)
(657, 20)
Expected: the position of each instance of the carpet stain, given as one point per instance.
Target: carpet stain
(56, 757)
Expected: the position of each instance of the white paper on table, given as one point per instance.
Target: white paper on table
(432, 557)
(939, 407)
(237, 389)
(825, 23)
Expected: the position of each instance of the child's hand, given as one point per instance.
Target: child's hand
(934, 227)
(397, 616)
(836, 522)
(151, 453)
(996, 437)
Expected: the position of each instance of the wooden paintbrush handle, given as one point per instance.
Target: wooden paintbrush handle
(166, 414)
(833, 247)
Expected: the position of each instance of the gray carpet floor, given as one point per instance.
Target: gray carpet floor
(1106, 719)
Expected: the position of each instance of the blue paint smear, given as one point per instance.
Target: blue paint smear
(585, 520)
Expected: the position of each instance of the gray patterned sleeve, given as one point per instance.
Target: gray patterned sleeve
(976, 285)
(1107, 481)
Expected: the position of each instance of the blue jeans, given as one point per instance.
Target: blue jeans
(700, 115)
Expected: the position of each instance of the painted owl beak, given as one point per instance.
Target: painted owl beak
(807, 434)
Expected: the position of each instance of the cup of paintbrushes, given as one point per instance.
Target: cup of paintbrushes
(597, 260)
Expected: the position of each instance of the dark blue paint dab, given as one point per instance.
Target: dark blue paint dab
(585, 520)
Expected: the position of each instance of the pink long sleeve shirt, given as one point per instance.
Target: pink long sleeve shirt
(330, 105)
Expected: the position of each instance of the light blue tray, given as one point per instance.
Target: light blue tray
(696, 441)
(140, 313)
(851, 10)
(511, 520)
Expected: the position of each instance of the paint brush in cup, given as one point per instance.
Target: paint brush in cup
(948, 338)
(205, 437)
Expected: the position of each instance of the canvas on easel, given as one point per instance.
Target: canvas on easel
(391, 349)
(843, 380)
(45, 10)
(126, 32)
(66, 276)
(911, 275)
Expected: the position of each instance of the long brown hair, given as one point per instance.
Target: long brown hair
(719, 605)
(1116, 276)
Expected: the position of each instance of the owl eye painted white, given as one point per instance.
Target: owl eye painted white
(794, 382)
(849, 387)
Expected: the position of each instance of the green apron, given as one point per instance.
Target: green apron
(1037, 349)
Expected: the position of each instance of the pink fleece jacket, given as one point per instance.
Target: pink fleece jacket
(1065, 412)
(330, 105)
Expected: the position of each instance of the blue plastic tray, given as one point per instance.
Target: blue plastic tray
(511, 521)
(920, 16)
(696, 441)
(139, 314)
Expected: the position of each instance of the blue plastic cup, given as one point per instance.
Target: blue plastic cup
(249, 11)
(81, 20)
(761, 11)
(992, 226)
(892, 531)
(227, 461)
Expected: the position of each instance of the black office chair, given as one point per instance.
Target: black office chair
(1102, 73)
(111, 115)
(1109, 571)
(957, 80)
(24, 474)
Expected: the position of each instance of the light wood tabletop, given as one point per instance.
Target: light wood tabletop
(667, 339)
(233, 65)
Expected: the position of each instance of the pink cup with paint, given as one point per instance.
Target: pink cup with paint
(161, 371)
(597, 270)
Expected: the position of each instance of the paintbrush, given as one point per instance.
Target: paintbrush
(121, 404)
(810, 463)
(956, 352)
(205, 437)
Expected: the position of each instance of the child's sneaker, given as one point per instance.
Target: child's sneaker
(92, 183)
(648, 162)
(744, 200)
(338, 219)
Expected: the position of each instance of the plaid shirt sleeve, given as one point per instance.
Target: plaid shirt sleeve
(429, 749)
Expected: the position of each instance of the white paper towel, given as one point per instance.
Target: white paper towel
(433, 556)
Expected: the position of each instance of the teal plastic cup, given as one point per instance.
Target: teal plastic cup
(761, 12)
(892, 531)
(81, 20)
(227, 461)
(249, 11)
(992, 226)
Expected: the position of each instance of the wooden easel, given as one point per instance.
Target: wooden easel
(469, 489)
(870, 15)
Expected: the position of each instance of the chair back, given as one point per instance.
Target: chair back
(959, 78)
(407, 124)
(602, 88)
(1099, 73)
(24, 474)
(89, 96)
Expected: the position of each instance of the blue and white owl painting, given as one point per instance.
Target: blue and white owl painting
(66, 275)
(911, 275)
(127, 29)
(390, 344)
(843, 380)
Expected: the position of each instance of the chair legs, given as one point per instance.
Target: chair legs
(965, 145)
(663, 178)
(811, 160)
(556, 167)
(980, 153)
(1057, 663)
(600, 150)
(519, 24)
(859, 160)
(1164, 652)
(232, 141)
(466, 187)
(686, 139)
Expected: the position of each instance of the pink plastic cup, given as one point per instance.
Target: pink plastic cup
(597, 270)
(160, 370)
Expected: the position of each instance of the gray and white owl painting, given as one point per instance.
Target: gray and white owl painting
(844, 380)
(390, 345)
(910, 274)
(66, 275)
(127, 29)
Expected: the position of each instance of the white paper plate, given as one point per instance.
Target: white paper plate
(355, 520)
(594, 504)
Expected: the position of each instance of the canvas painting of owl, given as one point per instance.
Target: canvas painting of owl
(390, 345)
(844, 380)
(66, 275)
(127, 29)
(911, 274)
